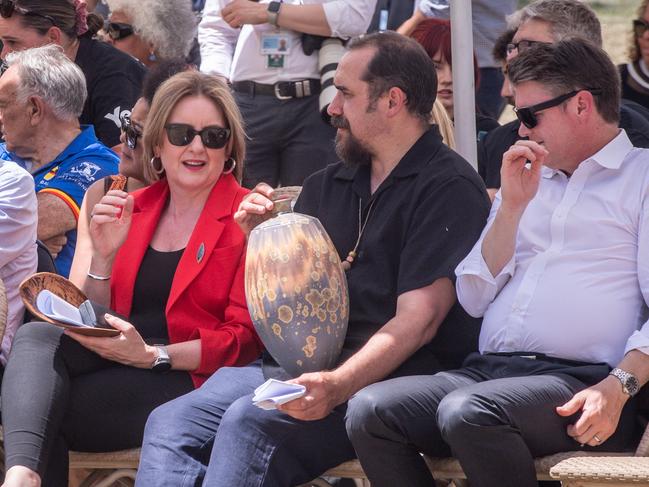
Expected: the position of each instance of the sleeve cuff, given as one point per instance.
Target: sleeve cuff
(639, 340)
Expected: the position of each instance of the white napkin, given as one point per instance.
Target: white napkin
(274, 392)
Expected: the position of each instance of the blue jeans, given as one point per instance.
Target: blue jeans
(215, 436)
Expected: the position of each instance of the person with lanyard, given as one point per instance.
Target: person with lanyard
(401, 210)
(259, 48)
(41, 96)
(113, 78)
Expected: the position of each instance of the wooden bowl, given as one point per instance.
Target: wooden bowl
(64, 289)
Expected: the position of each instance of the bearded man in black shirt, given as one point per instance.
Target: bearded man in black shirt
(423, 208)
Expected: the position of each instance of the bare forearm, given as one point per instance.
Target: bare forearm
(637, 363)
(98, 290)
(499, 244)
(185, 355)
(54, 217)
(309, 19)
(419, 315)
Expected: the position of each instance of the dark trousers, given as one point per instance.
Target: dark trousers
(495, 415)
(488, 96)
(288, 140)
(58, 395)
(215, 436)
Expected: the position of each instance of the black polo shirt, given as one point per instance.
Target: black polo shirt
(114, 82)
(426, 216)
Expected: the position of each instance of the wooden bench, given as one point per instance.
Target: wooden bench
(108, 468)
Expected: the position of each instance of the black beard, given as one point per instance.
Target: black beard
(350, 150)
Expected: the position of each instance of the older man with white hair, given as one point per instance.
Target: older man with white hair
(41, 97)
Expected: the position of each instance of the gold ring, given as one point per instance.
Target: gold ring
(596, 438)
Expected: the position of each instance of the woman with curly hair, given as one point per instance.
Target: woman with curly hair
(113, 80)
(635, 74)
(150, 30)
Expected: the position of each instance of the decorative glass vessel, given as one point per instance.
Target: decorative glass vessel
(296, 291)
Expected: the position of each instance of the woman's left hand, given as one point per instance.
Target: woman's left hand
(127, 348)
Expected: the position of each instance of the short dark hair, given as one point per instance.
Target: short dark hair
(399, 62)
(499, 50)
(569, 65)
(159, 73)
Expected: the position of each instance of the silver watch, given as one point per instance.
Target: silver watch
(162, 363)
(629, 381)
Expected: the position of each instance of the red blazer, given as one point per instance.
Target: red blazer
(207, 298)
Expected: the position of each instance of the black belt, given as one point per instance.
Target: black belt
(282, 90)
(544, 357)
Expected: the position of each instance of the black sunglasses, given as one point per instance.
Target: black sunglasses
(213, 137)
(130, 132)
(8, 7)
(118, 30)
(521, 46)
(527, 115)
(640, 26)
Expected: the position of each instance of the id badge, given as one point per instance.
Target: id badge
(275, 43)
(274, 61)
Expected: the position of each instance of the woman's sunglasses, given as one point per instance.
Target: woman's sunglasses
(8, 7)
(118, 30)
(527, 115)
(640, 26)
(213, 137)
(130, 132)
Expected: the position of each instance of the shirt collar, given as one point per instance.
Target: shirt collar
(410, 164)
(85, 138)
(611, 156)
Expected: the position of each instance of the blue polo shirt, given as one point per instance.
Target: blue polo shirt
(69, 176)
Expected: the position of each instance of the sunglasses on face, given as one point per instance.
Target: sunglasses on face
(520, 46)
(640, 26)
(213, 137)
(8, 7)
(527, 115)
(130, 132)
(118, 30)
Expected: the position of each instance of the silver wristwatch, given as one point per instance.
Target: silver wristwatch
(629, 381)
(162, 363)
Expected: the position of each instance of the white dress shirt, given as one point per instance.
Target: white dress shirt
(235, 53)
(18, 257)
(577, 286)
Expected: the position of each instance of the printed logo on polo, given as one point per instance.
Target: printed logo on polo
(86, 170)
(116, 115)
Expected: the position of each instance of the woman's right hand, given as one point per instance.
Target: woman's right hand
(254, 208)
(109, 224)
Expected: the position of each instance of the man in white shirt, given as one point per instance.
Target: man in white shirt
(561, 276)
(18, 258)
(258, 47)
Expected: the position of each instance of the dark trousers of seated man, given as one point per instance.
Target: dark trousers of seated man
(495, 415)
(215, 436)
(287, 139)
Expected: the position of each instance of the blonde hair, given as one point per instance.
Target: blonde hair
(440, 117)
(192, 83)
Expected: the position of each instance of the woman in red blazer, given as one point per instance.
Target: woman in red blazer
(170, 259)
